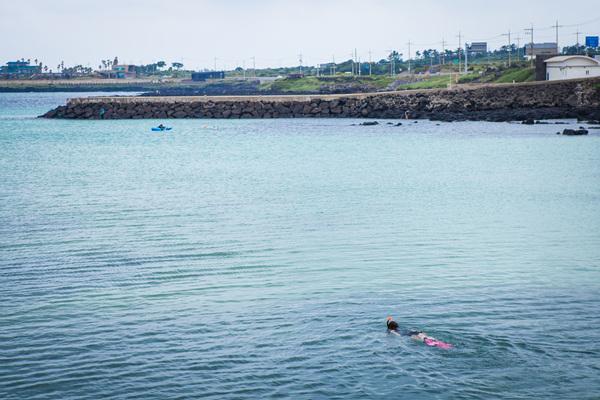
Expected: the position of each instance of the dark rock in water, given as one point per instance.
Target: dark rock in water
(528, 121)
(415, 122)
(390, 123)
(575, 132)
(594, 127)
(542, 122)
(593, 122)
(561, 123)
(558, 133)
(369, 123)
(400, 124)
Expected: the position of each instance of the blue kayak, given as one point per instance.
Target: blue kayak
(157, 129)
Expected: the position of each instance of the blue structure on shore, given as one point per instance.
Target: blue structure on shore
(202, 76)
(20, 68)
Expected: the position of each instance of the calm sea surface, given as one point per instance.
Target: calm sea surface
(260, 258)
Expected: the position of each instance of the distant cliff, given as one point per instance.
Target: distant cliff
(535, 100)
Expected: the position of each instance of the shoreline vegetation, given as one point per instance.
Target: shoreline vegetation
(339, 84)
(485, 102)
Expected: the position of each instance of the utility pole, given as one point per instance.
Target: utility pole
(577, 33)
(254, 66)
(370, 62)
(300, 60)
(530, 30)
(518, 39)
(409, 57)
(443, 54)
(244, 68)
(466, 58)
(459, 46)
(509, 47)
(556, 26)
(333, 65)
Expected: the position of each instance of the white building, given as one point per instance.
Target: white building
(571, 67)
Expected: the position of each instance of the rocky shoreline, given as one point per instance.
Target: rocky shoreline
(527, 101)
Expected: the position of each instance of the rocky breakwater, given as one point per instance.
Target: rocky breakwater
(536, 100)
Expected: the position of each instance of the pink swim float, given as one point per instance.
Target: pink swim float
(437, 343)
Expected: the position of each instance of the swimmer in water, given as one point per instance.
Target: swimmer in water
(419, 336)
(392, 325)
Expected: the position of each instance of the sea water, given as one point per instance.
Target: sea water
(260, 258)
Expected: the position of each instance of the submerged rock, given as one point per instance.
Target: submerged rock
(575, 132)
(369, 123)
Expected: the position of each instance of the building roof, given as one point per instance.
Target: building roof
(542, 45)
(560, 59)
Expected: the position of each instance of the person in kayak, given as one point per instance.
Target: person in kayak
(161, 127)
(420, 336)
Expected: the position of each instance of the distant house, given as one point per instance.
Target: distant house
(20, 68)
(477, 48)
(125, 71)
(203, 76)
(120, 71)
(571, 67)
(541, 49)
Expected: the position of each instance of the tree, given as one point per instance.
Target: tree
(177, 65)
(394, 55)
(161, 64)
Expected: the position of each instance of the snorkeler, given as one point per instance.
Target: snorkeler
(420, 336)
(392, 325)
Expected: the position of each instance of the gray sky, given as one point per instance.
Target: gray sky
(275, 32)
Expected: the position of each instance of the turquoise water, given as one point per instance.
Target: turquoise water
(259, 259)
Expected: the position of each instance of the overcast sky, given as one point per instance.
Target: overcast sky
(274, 32)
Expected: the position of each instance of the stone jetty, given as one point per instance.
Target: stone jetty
(499, 102)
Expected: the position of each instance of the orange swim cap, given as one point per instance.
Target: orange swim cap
(390, 318)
